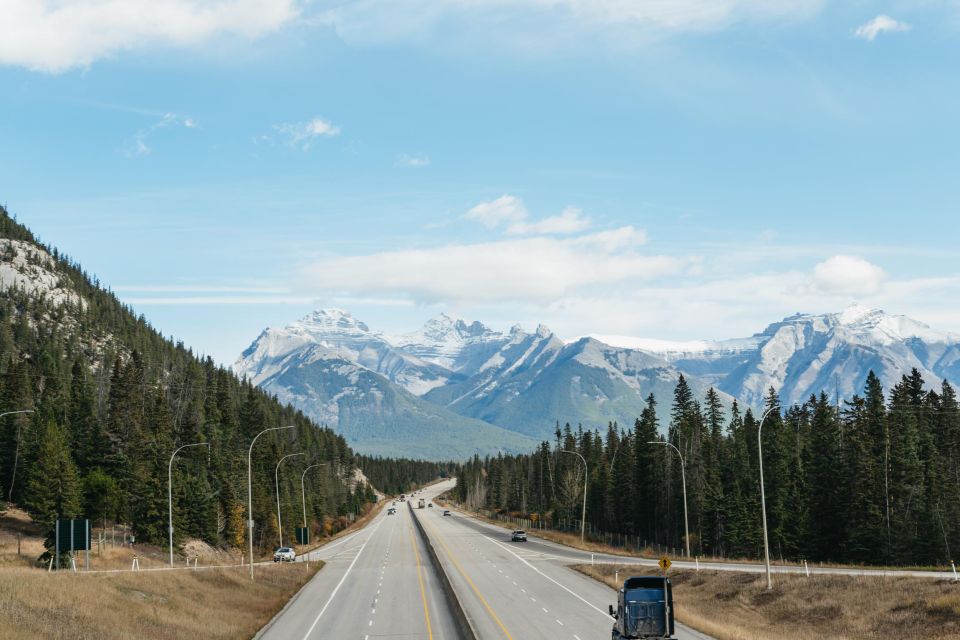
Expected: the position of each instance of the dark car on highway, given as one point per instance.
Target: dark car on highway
(446, 512)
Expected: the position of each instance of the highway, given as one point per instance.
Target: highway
(377, 583)
(519, 591)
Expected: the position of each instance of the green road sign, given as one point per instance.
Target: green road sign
(303, 535)
(73, 535)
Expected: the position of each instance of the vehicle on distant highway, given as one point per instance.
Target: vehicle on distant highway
(420, 503)
(446, 512)
(284, 554)
(391, 511)
(644, 609)
(519, 536)
(430, 504)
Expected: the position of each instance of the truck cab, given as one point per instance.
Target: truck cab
(644, 609)
(421, 503)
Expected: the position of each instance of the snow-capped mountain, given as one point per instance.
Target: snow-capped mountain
(454, 381)
(806, 354)
(536, 379)
(452, 343)
(337, 334)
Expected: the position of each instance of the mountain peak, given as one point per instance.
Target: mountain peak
(856, 313)
(332, 318)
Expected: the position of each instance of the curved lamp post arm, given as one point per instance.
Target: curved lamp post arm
(250, 490)
(276, 479)
(303, 490)
(170, 489)
(16, 456)
(763, 496)
(683, 477)
(586, 478)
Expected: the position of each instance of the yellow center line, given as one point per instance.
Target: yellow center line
(423, 592)
(469, 581)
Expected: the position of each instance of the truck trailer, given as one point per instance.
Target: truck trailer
(644, 609)
(421, 504)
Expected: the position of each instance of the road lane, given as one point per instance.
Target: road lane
(375, 584)
(514, 591)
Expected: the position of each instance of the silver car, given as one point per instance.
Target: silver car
(284, 554)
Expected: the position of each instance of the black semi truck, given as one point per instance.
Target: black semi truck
(644, 609)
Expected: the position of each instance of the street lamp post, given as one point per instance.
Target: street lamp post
(303, 490)
(586, 477)
(16, 455)
(276, 479)
(250, 491)
(763, 498)
(170, 489)
(683, 477)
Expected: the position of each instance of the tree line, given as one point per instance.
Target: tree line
(111, 399)
(401, 475)
(873, 480)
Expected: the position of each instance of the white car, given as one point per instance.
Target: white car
(284, 554)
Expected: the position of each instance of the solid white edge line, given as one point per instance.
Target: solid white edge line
(340, 584)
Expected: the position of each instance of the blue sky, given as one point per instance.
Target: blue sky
(677, 170)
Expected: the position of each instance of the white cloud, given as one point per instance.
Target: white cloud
(58, 35)
(412, 162)
(505, 209)
(510, 212)
(543, 269)
(881, 24)
(138, 145)
(303, 134)
(847, 275)
(534, 24)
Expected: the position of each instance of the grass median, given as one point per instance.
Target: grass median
(737, 606)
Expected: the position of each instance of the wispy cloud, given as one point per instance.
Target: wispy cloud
(881, 24)
(187, 288)
(138, 145)
(215, 300)
(302, 135)
(534, 25)
(59, 36)
(412, 161)
(514, 269)
(510, 213)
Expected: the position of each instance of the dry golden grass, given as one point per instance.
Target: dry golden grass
(210, 603)
(737, 606)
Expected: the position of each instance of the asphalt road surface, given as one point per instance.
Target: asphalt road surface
(519, 591)
(377, 583)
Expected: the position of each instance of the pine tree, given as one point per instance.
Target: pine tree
(53, 489)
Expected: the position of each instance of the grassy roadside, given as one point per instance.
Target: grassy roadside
(573, 540)
(211, 603)
(738, 606)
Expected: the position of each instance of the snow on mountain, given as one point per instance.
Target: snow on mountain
(806, 354)
(525, 382)
(451, 343)
(536, 379)
(339, 335)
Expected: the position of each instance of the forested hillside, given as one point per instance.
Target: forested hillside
(112, 399)
(876, 480)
